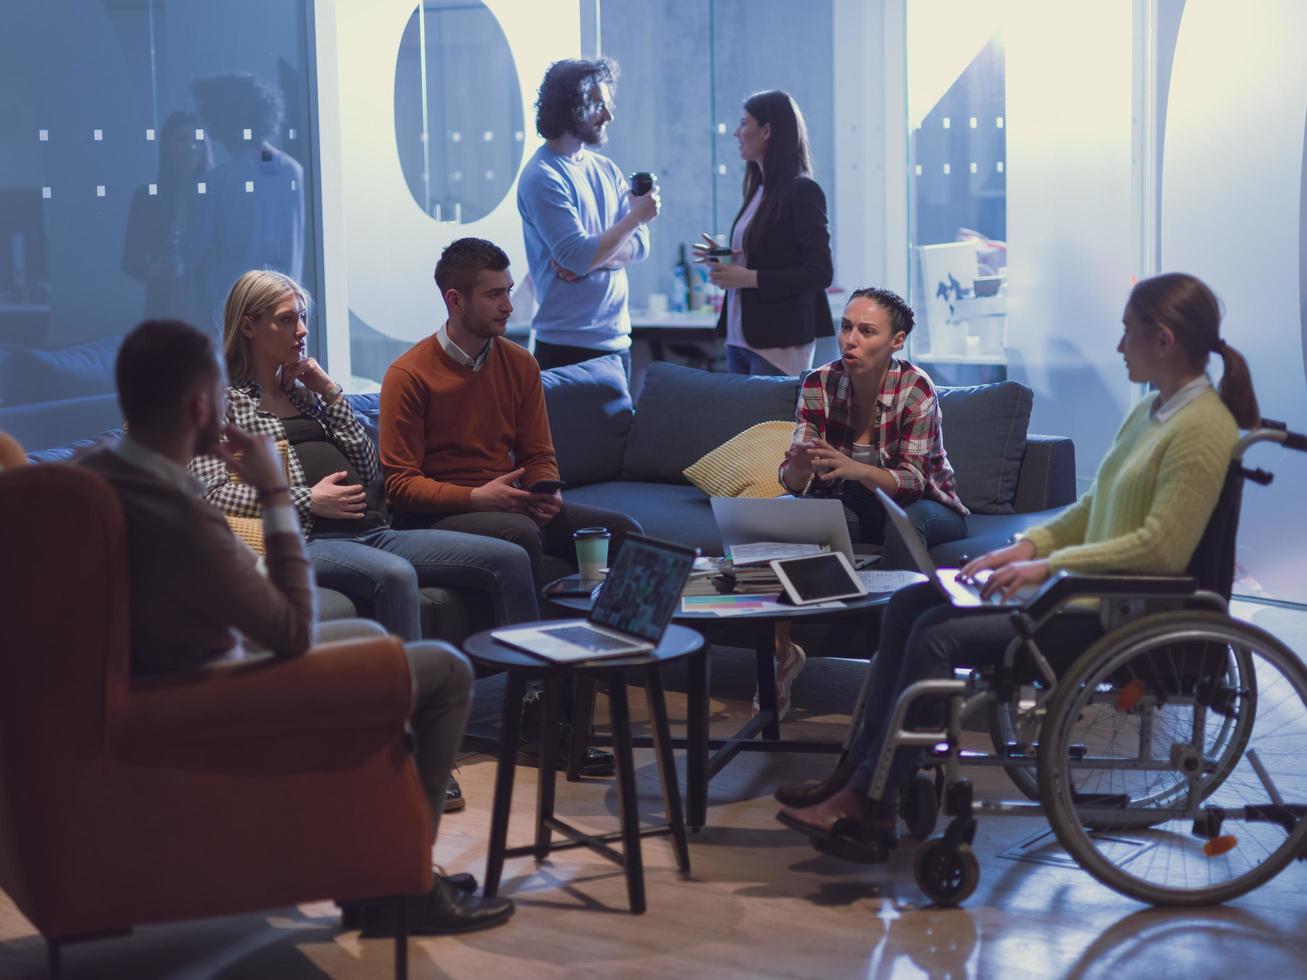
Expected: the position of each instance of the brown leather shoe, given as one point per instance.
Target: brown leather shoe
(810, 794)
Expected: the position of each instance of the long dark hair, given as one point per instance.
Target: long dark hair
(787, 156)
(1184, 305)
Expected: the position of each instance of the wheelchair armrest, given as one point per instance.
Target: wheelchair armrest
(1067, 585)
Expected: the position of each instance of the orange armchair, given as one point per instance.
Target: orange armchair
(129, 801)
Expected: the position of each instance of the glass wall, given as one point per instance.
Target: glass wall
(158, 150)
(687, 67)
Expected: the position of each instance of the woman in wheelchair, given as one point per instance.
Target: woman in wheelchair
(1144, 513)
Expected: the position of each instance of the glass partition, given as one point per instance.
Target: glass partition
(159, 150)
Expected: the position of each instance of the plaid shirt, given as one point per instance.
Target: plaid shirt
(909, 435)
(342, 428)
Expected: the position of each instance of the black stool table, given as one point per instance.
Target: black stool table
(485, 650)
(761, 733)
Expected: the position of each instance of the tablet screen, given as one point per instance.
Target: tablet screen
(819, 577)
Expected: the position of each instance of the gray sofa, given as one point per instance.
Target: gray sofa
(630, 458)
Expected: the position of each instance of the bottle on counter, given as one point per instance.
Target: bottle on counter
(682, 277)
(698, 287)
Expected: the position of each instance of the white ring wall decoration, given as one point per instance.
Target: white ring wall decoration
(392, 245)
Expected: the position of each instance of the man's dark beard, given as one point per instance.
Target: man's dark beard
(591, 134)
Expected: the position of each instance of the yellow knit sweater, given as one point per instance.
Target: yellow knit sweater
(1152, 496)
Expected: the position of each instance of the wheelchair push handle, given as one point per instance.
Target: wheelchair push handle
(1290, 440)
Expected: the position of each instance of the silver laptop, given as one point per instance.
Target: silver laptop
(960, 593)
(636, 603)
(789, 520)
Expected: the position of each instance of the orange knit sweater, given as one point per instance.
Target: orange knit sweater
(446, 428)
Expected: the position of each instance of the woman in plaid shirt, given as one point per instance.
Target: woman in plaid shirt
(871, 420)
(865, 421)
(334, 473)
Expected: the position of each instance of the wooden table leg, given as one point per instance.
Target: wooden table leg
(621, 718)
(548, 763)
(582, 721)
(508, 734)
(662, 734)
(765, 651)
(696, 738)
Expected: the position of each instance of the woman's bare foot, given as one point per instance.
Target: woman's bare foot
(822, 817)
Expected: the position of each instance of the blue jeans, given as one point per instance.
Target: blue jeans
(935, 524)
(560, 355)
(923, 637)
(386, 568)
(741, 360)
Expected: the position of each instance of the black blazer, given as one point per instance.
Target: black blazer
(794, 268)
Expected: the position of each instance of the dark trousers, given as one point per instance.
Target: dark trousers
(554, 538)
(559, 355)
(935, 524)
(923, 637)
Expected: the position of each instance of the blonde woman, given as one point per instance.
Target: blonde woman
(278, 391)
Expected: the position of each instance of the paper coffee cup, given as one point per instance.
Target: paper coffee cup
(591, 550)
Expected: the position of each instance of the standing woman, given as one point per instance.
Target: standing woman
(775, 305)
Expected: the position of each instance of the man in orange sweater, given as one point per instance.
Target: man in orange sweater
(464, 434)
(465, 438)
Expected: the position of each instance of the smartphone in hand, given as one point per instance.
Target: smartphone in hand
(546, 486)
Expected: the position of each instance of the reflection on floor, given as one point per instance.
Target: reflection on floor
(759, 901)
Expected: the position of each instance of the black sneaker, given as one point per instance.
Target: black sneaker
(597, 762)
(453, 797)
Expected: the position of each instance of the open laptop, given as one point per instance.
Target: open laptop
(635, 605)
(960, 593)
(790, 520)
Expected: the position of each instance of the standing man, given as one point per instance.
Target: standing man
(197, 594)
(582, 224)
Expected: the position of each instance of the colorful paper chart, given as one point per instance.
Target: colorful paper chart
(734, 603)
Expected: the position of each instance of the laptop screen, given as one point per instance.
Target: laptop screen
(643, 587)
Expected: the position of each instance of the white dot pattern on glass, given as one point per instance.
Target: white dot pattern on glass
(152, 189)
(99, 190)
(46, 192)
(201, 188)
(97, 135)
(43, 135)
(249, 187)
(149, 136)
(247, 134)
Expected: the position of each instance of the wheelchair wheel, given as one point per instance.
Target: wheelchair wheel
(945, 873)
(1182, 733)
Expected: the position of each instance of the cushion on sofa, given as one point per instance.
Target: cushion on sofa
(985, 438)
(589, 406)
(29, 375)
(674, 512)
(684, 413)
(367, 409)
(744, 465)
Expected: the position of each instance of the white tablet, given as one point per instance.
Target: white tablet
(818, 578)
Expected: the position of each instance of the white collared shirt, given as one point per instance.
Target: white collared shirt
(457, 353)
(1161, 411)
(277, 518)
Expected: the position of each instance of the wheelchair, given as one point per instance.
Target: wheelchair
(1167, 757)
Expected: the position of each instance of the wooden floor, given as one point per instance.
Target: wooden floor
(759, 902)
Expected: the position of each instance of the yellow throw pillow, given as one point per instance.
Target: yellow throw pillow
(745, 465)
